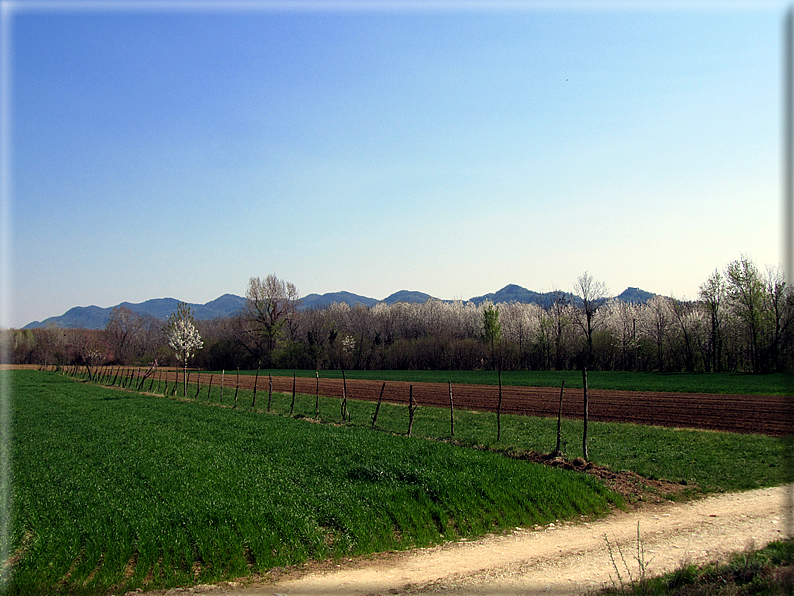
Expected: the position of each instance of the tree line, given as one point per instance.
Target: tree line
(740, 322)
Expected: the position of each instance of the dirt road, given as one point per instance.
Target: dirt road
(561, 558)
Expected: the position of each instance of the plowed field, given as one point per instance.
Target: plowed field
(765, 414)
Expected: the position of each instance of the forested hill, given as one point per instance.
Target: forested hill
(95, 317)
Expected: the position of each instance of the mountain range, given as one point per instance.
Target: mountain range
(95, 317)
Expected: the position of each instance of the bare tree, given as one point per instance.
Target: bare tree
(591, 295)
(270, 304)
(780, 305)
(561, 313)
(123, 331)
(686, 315)
(656, 322)
(621, 321)
(712, 296)
(89, 350)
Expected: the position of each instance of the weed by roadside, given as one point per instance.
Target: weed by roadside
(767, 571)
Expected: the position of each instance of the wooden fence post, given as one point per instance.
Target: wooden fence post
(499, 407)
(558, 448)
(377, 408)
(344, 396)
(451, 411)
(317, 395)
(256, 379)
(237, 387)
(209, 388)
(292, 405)
(411, 409)
(198, 383)
(269, 390)
(223, 375)
(584, 432)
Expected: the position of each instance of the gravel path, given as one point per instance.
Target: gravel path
(562, 558)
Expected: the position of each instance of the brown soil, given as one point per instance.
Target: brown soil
(765, 414)
(635, 489)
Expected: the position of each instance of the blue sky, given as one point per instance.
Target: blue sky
(179, 149)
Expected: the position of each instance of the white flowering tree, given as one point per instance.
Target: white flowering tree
(183, 337)
(270, 304)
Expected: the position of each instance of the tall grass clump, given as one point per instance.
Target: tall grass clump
(766, 571)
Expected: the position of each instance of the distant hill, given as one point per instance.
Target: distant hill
(323, 300)
(407, 296)
(635, 295)
(511, 293)
(94, 317)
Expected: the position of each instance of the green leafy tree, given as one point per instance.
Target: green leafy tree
(745, 291)
(492, 330)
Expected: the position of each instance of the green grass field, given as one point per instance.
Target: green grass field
(711, 461)
(732, 383)
(114, 490)
(117, 489)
